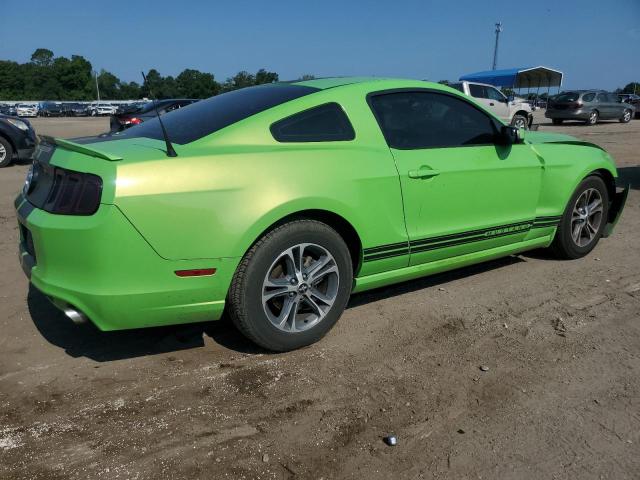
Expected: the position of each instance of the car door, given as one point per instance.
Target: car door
(604, 107)
(498, 104)
(617, 107)
(461, 191)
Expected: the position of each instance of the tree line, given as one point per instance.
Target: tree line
(47, 77)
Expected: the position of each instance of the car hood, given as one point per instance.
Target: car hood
(537, 138)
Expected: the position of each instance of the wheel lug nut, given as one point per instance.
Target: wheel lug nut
(292, 294)
(293, 281)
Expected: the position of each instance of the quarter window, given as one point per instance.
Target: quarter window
(414, 120)
(325, 123)
(588, 97)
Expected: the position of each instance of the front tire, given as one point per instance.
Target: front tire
(292, 286)
(557, 121)
(519, 121)
(583, 220)
(6, 153)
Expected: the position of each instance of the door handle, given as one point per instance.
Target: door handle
(491, 103)
(423, 172)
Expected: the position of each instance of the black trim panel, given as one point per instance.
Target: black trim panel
(451, 240)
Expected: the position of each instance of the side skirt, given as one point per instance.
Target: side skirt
(416, 271)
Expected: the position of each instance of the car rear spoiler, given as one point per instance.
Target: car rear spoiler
(76, 147)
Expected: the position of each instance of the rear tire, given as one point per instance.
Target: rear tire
(626, 116)
(593, 118)
(557, 121)
(585, 216)
(292, 286)
(6, 152)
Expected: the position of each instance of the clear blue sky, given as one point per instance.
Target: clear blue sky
(596, 43)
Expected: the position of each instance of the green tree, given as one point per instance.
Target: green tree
(443, 82)
(42, 57)
(239, 80)
(262, 76)
(196, 84)
(307, 76)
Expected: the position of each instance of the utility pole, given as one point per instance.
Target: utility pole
(98, 87)
(495, 50)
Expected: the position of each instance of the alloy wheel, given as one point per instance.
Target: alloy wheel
(3, 152)
(593, 118)
(627, 115)
(586, 217)
(300, 287)
(520, 123)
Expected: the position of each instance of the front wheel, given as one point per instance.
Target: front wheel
(626, 116)
(291, 286)
(583, 220)
(6, 152)
(519, 121)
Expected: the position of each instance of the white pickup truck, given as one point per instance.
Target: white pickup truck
(516, 113)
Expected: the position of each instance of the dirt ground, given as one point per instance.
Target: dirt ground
(560, 400)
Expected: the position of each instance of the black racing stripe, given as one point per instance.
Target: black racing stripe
(551, 217)
(454, 236)
(25, 209)
(454, 243)
(380, 256)
(544, 225)
(383, 248)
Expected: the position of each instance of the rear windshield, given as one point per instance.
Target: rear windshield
(187, 124)
(567, 97)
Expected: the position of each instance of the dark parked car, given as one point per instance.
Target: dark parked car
(6, 109)
(76, 110)
(51, 109)
(137, 115)
(17, 139)
(633, 99)
(588, 106)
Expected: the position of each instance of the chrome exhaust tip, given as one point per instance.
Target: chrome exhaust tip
(76, 316)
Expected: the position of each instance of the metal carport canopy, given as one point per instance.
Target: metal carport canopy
(524, 77)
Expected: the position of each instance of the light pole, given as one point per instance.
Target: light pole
(495, 49)
(97, 86)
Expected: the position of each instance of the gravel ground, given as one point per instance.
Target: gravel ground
(560, 398)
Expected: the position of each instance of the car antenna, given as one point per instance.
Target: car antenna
(170, 151)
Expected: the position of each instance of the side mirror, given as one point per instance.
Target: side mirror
(511, 135)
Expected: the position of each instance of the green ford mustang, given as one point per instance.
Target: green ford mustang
(284, 199)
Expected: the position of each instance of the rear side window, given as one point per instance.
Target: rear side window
(602, 97)
(457, 86)
(567, 97)
(190, 123)
(325, 123)
(416, 120)
(477, 91)
(588, 97)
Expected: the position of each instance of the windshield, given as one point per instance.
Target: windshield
(187, 124)
(567, 97)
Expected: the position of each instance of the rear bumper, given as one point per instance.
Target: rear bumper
(101, 266)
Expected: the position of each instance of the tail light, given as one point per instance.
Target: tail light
(577, 105)
(133, 121)
(73, 193)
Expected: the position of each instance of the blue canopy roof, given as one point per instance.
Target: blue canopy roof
(524, 77)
